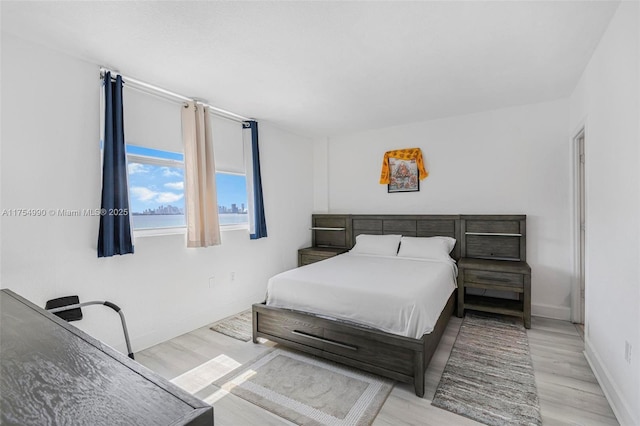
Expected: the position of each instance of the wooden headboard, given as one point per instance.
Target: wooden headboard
(410, 226)
(500, 237)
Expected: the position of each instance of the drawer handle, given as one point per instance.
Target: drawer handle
(501, 280)
(320, 339)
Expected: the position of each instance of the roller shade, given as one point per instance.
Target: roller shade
(227, 145)
(152, 121)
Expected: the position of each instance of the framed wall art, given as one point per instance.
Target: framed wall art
(403, 175)
(402, 170)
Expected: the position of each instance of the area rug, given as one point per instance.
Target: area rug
(237, 326)
(489, 376)
(308, 391)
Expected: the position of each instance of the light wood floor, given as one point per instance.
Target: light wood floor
(568, 391)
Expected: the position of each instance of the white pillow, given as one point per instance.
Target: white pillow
(426, 247)
(381, 245)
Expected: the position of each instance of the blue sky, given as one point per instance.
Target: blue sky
(231, 189)
(153, 185)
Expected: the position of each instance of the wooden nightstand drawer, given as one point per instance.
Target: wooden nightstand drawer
(316, 254)
(306, 259)
(493, 278)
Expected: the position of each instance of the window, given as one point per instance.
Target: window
(156, 188)
(156, 166)
(232, 199)
(156, 191)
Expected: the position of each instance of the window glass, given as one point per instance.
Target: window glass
(156, 191)
(232, 198)
(156, 188)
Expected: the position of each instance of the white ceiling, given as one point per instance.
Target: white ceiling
(325, 68)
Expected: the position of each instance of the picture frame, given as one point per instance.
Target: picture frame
(403, 175)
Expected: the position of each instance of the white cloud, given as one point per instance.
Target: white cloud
(168, 197)
(146, 194)
(142, 193)
(137, 168)
(175, 185)
(167, 172)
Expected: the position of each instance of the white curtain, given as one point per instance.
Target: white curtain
(203, 226)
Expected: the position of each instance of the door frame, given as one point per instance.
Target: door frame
(577, 307)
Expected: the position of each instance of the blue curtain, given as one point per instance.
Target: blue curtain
(114, 236)
(260, 223)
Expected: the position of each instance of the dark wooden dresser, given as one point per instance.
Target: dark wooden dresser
(52, 373)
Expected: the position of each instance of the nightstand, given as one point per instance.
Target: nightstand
(315, 254)
(502, 275)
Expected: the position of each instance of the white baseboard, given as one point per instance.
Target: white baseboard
(553, 312)
(186, 324)
(616, 400)
(143, 341)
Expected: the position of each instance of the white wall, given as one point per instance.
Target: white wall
(320, 175)
(509, 161)
(605, 101)
(50, 160)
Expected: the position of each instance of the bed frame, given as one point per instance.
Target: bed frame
(400, 358)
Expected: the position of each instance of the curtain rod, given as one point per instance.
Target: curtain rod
(151, 88)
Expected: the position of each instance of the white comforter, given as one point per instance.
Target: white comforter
(397, 295)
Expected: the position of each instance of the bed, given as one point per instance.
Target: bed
(394, 294)
(400, 354)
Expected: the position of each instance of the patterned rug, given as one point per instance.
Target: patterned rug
(307, 390)
(489, 376)
(238, 326)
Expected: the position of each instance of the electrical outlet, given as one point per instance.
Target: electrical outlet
(627, 352)
(212, 281)
(233, 276)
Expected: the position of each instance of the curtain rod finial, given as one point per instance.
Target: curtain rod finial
(104, 70)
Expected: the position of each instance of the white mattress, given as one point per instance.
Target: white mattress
(396, 295)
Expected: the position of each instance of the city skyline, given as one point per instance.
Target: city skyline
(161, 210)
(172, 210)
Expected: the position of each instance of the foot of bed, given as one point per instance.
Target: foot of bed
(254, 325)
(418, 373)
